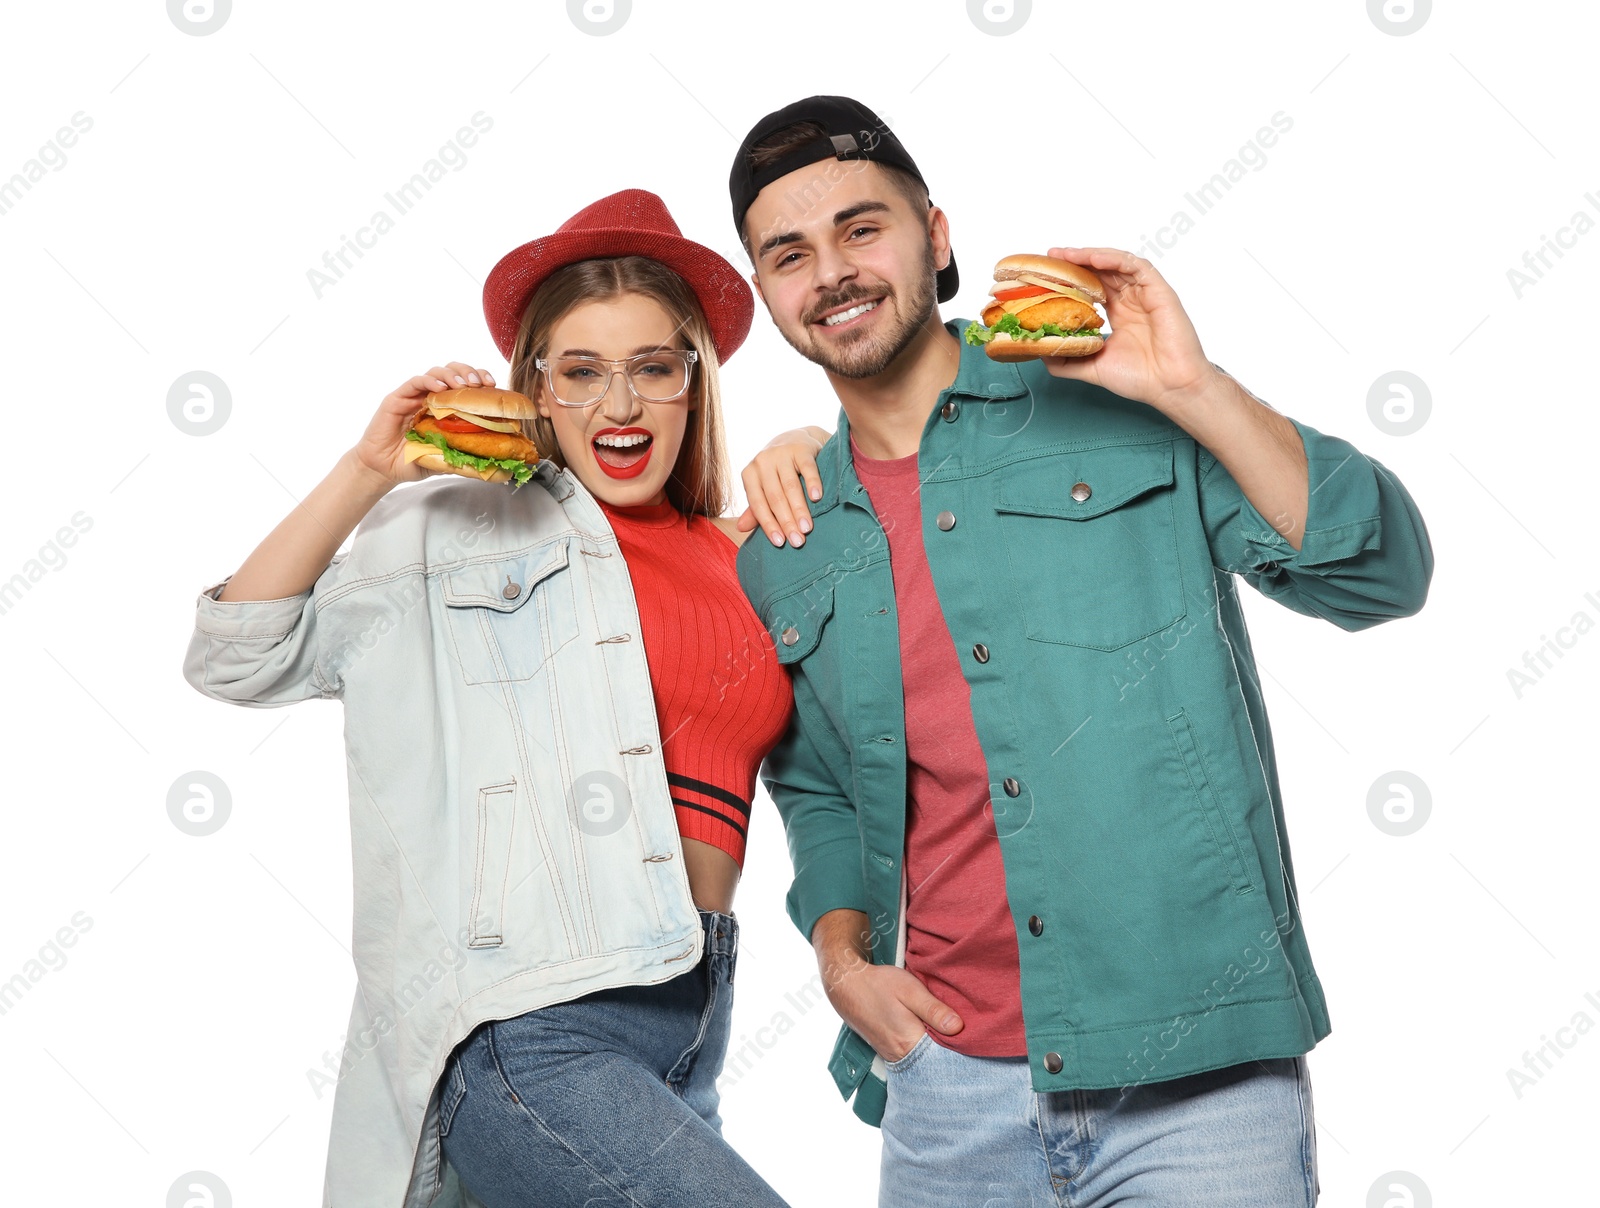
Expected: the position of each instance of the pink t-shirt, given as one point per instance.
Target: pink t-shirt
(960, 938)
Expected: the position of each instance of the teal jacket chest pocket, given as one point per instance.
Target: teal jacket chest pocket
(508, 616)
(797, 621)
(1092, 541)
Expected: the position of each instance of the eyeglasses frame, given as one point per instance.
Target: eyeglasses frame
(690, 355)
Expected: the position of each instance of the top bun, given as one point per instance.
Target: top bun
(486, 400)
(1067, 273)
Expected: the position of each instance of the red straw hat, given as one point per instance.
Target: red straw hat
(633, 222)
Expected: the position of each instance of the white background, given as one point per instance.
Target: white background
(1378, 235)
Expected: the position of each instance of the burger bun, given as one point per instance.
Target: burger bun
(1004, 347)
(1077, 276)
(486, 400)
(435, 463)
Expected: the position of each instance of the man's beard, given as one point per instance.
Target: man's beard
(869, 355)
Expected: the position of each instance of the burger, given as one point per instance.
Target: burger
(476, 431)
(1041, 307)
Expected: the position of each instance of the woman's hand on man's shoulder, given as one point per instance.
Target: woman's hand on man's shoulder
(778, 481)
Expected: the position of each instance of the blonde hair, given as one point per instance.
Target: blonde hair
(699, 481)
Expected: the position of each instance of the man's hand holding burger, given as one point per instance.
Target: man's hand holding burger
(1155, 357)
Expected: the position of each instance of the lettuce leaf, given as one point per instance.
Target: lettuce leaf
(977, 333)
(520, 470)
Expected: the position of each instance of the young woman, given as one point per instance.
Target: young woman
(556, 700)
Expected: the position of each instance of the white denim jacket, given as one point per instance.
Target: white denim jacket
(514, 839)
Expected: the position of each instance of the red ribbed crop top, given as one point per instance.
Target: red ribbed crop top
(722, 698)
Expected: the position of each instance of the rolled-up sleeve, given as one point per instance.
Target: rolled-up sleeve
(819, 820)
(1365, 557)
(261, 653)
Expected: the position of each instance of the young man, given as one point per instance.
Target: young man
(1029, 788)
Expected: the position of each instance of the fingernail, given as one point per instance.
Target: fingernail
(459, 382)
(796, 540)
(775, 537)
(816, 492)
(473, 378)
(805, 526)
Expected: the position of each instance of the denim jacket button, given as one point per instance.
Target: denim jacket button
(945, 520)
(981, 653)
(950, 410)
(1052, 1063)
(1080, 491)
(511, 590)
(790, 636)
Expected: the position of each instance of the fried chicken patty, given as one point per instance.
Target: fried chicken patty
(1066, 313)
(482, 444)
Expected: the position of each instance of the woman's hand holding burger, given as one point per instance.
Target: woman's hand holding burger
(382, 447)
(291, 557)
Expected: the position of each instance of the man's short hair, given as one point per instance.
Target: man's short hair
(780, 142)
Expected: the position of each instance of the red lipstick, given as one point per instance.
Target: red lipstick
(629, 463)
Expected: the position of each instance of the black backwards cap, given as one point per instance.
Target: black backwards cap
(853, 132)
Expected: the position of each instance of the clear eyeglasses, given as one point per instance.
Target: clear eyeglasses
(654, 377)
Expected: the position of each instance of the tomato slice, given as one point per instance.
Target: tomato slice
(1020, 291)
(454, 423)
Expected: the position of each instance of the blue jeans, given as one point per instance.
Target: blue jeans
(608, 1099)
(970, 1132)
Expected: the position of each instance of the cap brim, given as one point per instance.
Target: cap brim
(949, 280)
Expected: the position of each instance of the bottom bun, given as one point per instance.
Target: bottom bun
(435, 463)
(1004, 347)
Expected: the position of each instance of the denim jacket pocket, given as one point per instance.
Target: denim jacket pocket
(1092, 540)
(796, 620)
(1216, 819)
(508, 616)
(491, 864)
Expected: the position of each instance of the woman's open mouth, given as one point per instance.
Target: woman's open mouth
(622, 452)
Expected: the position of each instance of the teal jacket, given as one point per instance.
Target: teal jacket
(1086, 552)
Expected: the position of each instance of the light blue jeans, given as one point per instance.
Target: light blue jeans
(605, 1101)
(970, 1132)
